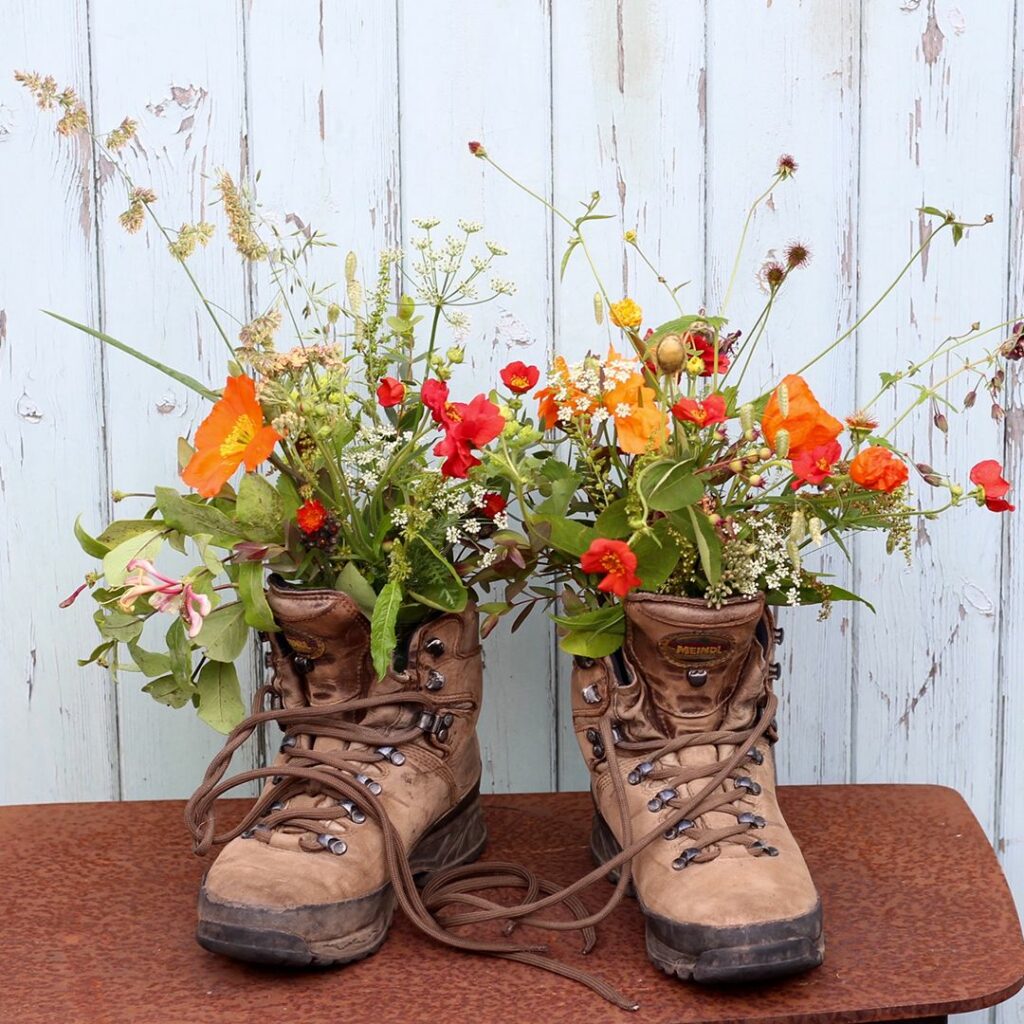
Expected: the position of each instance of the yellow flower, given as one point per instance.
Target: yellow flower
(626, 313)
(630, 236)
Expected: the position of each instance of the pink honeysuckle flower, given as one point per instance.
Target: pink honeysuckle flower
(165, 595)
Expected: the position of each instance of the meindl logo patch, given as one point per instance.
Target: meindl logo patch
(301, 643)
(694, 649)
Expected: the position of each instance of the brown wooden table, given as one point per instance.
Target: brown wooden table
(98, 913)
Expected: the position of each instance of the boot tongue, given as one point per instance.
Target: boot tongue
(330, 638)
(703, 667)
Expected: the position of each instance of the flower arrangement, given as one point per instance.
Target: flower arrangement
(361, 467)
(660, 473)
(649, 468)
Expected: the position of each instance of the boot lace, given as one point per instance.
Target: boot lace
(336, 774)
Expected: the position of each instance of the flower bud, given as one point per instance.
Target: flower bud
(956, 491)
(406, 307)
(695, 365)
(117, 496)
(630, 236)
(736, 466)
(598, 309)
(756, 480)
(670, 353)
(783, 394)
(765, 454)
(815, 529)
(941, 422)
(929, 475)
(782, 442)
(350, 267)
(714, 518)
(747, 417)
(455, 355)
(333, 313)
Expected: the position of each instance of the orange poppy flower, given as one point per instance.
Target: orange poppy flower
(233, 433)
(877, 469)
(808, 424)
(640, 426)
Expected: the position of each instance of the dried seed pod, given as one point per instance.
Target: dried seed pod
(598, 309)
(782, 442)
(747, 417)
(670, 354)
(783, 394)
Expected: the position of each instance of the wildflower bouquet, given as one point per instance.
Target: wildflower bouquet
(664, 475)
(360, 470)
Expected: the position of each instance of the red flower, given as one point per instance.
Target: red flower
(703, 413)
(391, 392)
(311, 516)
(520, 378)
(434, 395)
(492, 504)
(616, 561)
(477, 149)
(813, 465)
(467, 426)
(706, 350)
(988, 475)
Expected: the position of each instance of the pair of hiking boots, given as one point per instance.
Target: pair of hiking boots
(375, 791)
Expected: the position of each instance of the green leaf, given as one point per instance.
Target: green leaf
(195, 517)
(254, 598)
(142, 545)
(573, 242)
(667, 485)
(382, 626)
(562, 490)
(446, 592)
(90, 545)
(98, 652)
(167, 690)
(568, 535)
(352, 582)
(117, 625)
(185, 453)
(810, 595)
(149, 663)
(179, 650)
(958, 233)
(708, 545)
(224, 632)
(122, 529)
(595, 620)
(220, 696)
(932, 211)
(494, 608)
(260, 506)
(593, 634)
(657, 555)
(181, 378)
(613, 522)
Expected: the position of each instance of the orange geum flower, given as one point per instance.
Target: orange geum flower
(640, 426)
(562, 400)
(233, 433)
(808, 424)
(877, 469)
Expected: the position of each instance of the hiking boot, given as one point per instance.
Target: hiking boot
(688, 711)
(369, 770)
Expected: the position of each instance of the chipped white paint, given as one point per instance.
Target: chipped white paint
(357, 116)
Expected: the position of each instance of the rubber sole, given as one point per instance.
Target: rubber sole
(721, 956)
(332, 934)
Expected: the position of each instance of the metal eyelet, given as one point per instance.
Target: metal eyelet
(755, 755)
(302, 663)
(268, 659)
(639, 773)
(747, 783)
(679, 828)
(371, 784)
(617, 734)
(590, 694)
(780, 634)
(684, 859)
(393, 754)
(656, 803)
(286, 744)
(768, 851)
(355, 814)
(277, 780)
(581, 661)
(435, 680)
(775, 671)
(697, 677)
(751, 819)
(434, 647)
(333, 843)
(250, 832)
(277, 805)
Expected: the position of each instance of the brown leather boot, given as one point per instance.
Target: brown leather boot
(370, 770)
(687, 712)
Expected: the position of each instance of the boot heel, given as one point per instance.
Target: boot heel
(459, 839)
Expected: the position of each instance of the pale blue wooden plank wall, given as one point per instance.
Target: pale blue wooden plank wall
(357, 115)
